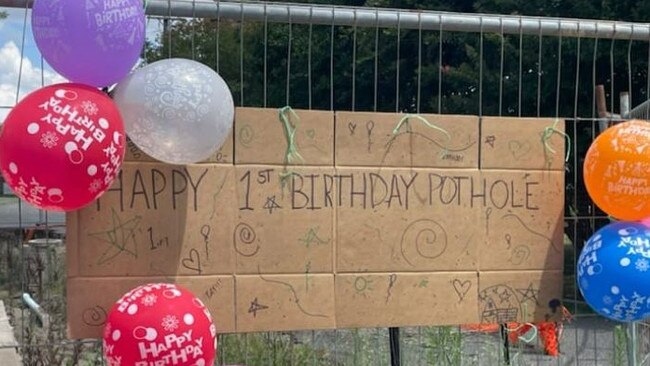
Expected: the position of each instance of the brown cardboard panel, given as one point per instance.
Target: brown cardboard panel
(284, 222)
(260, 137)
(158, 219)
(405, 220)
(72, 243)
(285, 302)
(91, 299)
(224, 155)
(516, 143)
(394, 234)
(522, 296)
(524, 223)
(404, 299)
(367, 139)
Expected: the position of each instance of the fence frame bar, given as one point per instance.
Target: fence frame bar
(388, 18)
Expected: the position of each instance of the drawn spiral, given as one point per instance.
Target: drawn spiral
(425, 239)
(94, 317)
(245, 240)
(246, 135)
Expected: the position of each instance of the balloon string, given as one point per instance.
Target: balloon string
(424, 121)
(546, 136)
(292, 155)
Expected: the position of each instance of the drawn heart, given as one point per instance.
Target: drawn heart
(462, 288)
(193, 262)
(352, 126)
(518, 149)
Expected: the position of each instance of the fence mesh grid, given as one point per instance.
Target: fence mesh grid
(321, 66)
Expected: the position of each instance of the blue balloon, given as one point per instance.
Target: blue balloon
(614, 271)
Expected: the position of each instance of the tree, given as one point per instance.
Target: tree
(461, 59)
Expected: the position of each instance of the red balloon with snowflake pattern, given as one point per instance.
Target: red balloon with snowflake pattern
(159, 324)
(62, 146)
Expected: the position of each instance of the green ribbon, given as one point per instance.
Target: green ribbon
(421, 119)
(291, 155)
(425, 122)
(546, 136)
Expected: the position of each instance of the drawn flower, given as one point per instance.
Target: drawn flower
(149, 300)
(49, 139)
(170, 323)
(89, 108)
(642, 265)
(95, 186)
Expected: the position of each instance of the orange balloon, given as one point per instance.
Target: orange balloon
(617, 171)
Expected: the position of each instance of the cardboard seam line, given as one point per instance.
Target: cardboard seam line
(480, 143)
(369, 167)
(234, 290)
(253, 274)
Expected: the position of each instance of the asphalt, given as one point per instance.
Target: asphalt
(8, 354)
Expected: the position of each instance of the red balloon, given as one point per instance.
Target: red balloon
(159, 324)
(62, 146)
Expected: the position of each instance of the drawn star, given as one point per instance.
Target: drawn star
(504, 296)
(529, 294)
(271, 204)
(490, 140)
(120, 238)
(311, 237)
(255, 307)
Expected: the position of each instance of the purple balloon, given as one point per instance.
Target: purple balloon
(95, 42)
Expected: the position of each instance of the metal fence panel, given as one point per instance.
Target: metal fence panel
(323, 57)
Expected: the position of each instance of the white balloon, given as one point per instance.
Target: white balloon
(176, 110)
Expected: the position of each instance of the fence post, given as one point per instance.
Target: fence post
(393, 339)
(632, 344)
(506, 343)
(631, 327)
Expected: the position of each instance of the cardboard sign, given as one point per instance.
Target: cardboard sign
(376, 227)
(522, 143)
(224, 155)
(384, 139)
(260, 136)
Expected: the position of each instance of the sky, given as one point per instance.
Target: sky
(35, 71)
(33, 75)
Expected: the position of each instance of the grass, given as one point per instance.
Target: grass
(267, 349)
(620, 346)
(443, 345)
